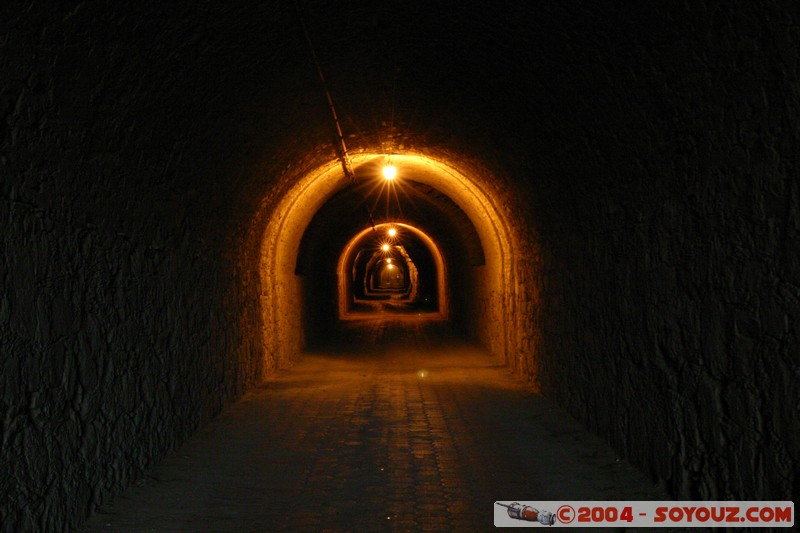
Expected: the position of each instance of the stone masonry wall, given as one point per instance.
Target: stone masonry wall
(122, 312)
(670, 278)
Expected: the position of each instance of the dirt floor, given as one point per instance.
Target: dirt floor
(396, 425)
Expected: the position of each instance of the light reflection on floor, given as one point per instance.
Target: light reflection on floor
(396, 422)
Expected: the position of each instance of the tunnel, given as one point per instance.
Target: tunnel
(602, 199)
(301, 250)
(392, 261)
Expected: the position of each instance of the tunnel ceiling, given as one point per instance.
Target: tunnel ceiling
(364, 202)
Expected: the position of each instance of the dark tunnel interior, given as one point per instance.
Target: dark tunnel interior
(603, 196)
(406, 233)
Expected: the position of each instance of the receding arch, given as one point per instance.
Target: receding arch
(477, 193)
(347, 256)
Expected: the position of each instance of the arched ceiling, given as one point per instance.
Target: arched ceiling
(363, 203)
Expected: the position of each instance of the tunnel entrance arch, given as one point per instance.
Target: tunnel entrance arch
(348, 257)
(501, 313)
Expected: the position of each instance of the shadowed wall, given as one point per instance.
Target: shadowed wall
(651, 154)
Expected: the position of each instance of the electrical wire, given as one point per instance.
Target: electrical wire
(341, 147)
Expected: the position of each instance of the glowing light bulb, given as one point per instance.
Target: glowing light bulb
(392, 232)
(385, 247)
(389, 172)
(390, 267)
(389, 260)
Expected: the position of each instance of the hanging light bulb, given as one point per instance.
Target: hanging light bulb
(392, 232)
(389, 172)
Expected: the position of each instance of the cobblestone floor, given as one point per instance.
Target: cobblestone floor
(396, 427)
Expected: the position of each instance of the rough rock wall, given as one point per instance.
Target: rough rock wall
(123, 321)
(671, 281)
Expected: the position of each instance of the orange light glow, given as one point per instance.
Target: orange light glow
(280, 226)
(392, 232)
(390, 267)
(389, 172)
(385, 247)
